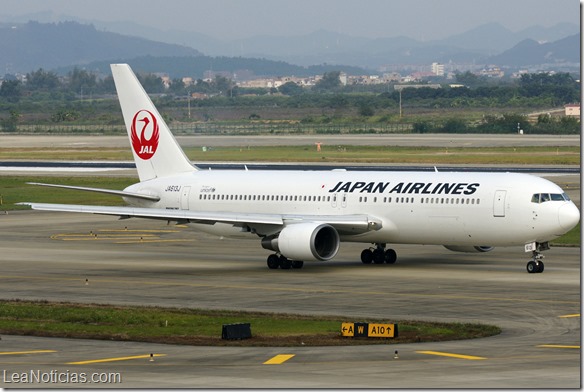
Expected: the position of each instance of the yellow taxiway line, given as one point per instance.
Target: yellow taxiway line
(279, 359)
(26, 352)
(451, 355)
(103, 360)
(557, 346)
(570, 315)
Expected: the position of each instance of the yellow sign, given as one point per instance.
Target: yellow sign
(381, 331)
(369, 330)
(348, 329)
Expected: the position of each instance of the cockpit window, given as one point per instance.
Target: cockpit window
(566, 197)
(543, 197)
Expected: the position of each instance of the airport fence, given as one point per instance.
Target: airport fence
(226, 129)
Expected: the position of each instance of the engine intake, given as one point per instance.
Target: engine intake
(469, 249)
(305, 241)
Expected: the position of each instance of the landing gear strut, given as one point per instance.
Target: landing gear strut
(535, 265)
(378, 255)
(276, 261)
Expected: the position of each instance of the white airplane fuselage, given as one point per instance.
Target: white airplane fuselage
(442, 208)
(305, 215)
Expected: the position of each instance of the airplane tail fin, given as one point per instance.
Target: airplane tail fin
(156, 151)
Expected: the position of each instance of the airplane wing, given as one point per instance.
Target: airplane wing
(100, 190)
(350, 224)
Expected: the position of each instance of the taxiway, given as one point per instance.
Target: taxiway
(95, 259)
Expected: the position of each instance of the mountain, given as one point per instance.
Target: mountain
(30, 46)
(322, 46)
(33, 45)
(529, 52)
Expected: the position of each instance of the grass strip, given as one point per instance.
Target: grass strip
(547, 155)
(203, 327)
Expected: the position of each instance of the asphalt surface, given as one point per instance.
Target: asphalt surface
(95, 259)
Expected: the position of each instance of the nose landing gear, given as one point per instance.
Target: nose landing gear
(535, 265)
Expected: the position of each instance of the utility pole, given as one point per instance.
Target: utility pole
(189, 103)
(400, 103)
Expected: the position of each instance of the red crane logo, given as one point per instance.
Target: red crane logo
(146, 142)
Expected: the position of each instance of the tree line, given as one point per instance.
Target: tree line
(538, 90)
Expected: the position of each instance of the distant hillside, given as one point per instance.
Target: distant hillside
(61, 46)
(33, 45)
(530, 52)
(178, 67)
(322, 46)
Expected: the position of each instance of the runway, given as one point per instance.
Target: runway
(411, 140)
(52, 256)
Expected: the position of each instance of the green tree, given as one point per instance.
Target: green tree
(81, 81)
(468, 79)
(151, 83)
(223, 85)
(11, 90)
(366, 110)
(42, 80)
(330, 81)
(291, 88)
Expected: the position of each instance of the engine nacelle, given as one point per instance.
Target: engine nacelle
(469, 249)
(305, 241)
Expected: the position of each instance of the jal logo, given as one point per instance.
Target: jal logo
(145, 134)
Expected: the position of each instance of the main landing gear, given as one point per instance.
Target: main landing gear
(378, 255)
(276, 261)
(535, 265)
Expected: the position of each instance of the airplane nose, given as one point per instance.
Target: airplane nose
(569, 216)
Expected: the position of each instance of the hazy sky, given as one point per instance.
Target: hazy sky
(227, 19)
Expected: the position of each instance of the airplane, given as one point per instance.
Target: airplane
(304, 215)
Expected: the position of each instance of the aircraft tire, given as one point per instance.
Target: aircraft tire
(390, 256)
(285, 263)
(273, 261)
(533, 267)
(297, 264)
(378, 256)
(366, 256)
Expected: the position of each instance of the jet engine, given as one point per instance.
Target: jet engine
(305, 241)
(469, 249)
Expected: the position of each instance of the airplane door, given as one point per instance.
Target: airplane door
(334, 201)
(344, 200)
(499, 203)
(184, 199)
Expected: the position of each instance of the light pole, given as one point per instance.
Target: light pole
(189, 103)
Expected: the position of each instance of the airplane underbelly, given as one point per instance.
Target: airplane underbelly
(222, 230)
